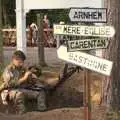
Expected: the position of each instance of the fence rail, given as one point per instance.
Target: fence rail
(9, 37)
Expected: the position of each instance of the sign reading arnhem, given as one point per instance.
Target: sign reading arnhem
(88, 14)
(85, 60)
(86, 44)
(82, 30)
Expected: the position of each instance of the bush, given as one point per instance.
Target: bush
(113, 115)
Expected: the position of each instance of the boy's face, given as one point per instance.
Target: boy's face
(18, 62)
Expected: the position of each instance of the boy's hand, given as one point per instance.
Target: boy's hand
(27, 74)
(34, 76)
(24, 78)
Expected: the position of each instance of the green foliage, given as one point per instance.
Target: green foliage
(113, 115)
(8, 8)
(54, 15)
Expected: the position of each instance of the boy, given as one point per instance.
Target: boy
(15, 78)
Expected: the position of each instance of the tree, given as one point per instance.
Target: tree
(41, 56)
(111, 92)
(8, 11)
(1, 40)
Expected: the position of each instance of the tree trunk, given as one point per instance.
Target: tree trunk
(1, 38)
(4, 15)
(4, 12)
(111, 93)
(40, 40)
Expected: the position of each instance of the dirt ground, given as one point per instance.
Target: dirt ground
(66, 102)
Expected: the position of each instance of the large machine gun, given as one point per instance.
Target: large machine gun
(66, 73)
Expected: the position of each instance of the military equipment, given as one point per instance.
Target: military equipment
(66, 73)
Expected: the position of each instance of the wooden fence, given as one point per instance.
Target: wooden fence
(9, 37)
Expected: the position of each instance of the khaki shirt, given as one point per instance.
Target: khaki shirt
(11, 75)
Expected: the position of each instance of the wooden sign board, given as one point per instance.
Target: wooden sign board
(83, 30)
(60, 4)
(86, 44)
(85, 60)
(96, 15)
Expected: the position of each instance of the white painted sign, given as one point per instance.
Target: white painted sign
(88, 15)
(82, 30)
(85, 60)
(86, 44)
(59, 4)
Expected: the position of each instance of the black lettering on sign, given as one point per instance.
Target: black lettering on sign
(76, 44)
(72, 45)
(80, 59)
(89, 63)
(102, 31)
(86, 30)
(104, 67)
(87, 44)
(107, 31)
(71, 56)
(75, 15)
(101, 43)
(73, 30)
(100, 66)
(93, 43)
(69, 30)
(87, 15)
(78, 30)
(94, 15)
(99, 15)
(65, 29)
(75, 58)
(85, 60)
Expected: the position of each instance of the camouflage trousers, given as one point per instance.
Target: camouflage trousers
(18, 96)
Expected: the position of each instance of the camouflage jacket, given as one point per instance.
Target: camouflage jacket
(10, 76)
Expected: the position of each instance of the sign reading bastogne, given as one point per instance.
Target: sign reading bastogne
(85, 60)
(88, 15)
(83, 30)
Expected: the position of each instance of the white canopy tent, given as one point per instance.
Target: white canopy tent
(23, 6)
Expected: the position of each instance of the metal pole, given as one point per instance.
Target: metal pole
(41, 56)
(1, 37)
(87, 95)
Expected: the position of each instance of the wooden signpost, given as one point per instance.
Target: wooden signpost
(72, 53)
(85, 60)
(95, 15)
(84, 30)
(90, 62)
(86, 44)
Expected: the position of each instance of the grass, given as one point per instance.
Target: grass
(113, 115)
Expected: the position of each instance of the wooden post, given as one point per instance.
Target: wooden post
(41, 56)
(1, 38)
(21, 26)
(87, 95)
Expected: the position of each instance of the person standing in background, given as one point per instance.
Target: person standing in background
(46, 21)
(46, 26)
(34, 29)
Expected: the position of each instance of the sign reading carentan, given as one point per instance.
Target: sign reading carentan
(86, 44)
